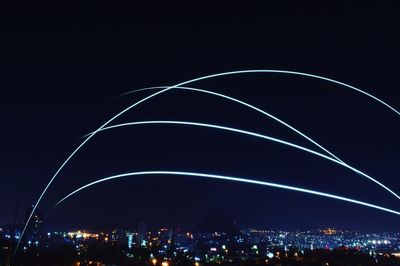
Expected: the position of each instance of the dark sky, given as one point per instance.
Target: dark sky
(62, 66)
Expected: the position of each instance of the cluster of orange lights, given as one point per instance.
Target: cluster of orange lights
(329, 231)
(164, 263)
(83, 234)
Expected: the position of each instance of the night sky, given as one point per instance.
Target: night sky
(63, 66)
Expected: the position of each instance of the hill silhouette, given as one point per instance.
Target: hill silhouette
(217, 222)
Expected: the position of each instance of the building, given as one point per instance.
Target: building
(34, 229)
(142, 234)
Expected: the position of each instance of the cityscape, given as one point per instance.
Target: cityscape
(205, 244)
(157, 134)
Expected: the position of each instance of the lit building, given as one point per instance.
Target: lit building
(142, 234)
(34, 229)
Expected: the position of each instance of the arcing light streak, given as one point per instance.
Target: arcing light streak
(249, 106)
(69, 158)
(182, 84)
(236, 179)
(258, 136)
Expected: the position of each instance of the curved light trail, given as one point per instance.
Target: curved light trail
(181, 84)
(247, 105)
(245, 132)
(236, 179)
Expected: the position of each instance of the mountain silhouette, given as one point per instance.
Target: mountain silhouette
(217, 222)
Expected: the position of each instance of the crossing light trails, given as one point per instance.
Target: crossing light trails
(182, 84)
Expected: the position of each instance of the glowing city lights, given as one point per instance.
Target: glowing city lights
(181, 84)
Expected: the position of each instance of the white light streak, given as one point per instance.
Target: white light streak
(236, 179)
(182, 84)
(245, 132)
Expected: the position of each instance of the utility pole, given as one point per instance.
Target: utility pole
(12, 237)
(172, 248)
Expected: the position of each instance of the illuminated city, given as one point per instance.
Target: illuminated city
(167, 246)
(158, 134)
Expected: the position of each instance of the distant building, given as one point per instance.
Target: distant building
(119, 236)
(130, 239)
(142, 234)
(34, 229)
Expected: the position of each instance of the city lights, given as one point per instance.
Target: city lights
(182, 84)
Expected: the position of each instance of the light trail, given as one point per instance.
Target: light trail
(235, 179)
(71, 155)
(182, 84)
(247, 105)
(245, 132)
